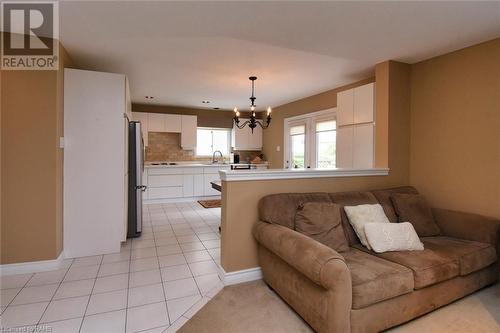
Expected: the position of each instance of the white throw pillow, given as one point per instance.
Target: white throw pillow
(363, 214)
(384, 237)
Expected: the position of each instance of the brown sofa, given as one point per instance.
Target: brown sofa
(359, 290)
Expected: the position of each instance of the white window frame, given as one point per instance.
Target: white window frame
(310, 120)
(228, 130)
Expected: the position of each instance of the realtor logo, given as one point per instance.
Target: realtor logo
(30, 35)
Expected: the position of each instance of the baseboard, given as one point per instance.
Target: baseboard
(174, 200)
(32, 267)
(245, 275)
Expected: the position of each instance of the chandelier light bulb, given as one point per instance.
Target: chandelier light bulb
(268, 110)
(252, 108)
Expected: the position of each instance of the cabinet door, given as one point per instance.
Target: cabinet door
(199, 189)
(362, 149)
(345, 106)
(255, 138)
(156, 122)
(188, 134)
(207, 186)
(240, 136)
(364, 103)
(344, 147)
(173, 123)
(143, 119)
(188, 186)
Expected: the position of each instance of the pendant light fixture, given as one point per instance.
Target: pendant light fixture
(253, 122)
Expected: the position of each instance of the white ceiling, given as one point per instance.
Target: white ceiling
(185, 52)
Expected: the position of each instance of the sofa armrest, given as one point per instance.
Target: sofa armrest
(468, 226)
(316, 261)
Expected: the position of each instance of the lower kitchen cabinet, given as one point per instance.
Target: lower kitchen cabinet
(177, 182)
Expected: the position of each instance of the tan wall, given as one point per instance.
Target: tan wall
(455, 129)
(240, 199)
(32, 171)
(273, 136)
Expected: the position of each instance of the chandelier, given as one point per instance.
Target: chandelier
(252, 122)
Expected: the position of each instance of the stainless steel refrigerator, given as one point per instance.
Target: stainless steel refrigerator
(135, 185)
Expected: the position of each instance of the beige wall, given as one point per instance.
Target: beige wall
(455, 129)
(273, 136)
(31, 171)
(240, 199)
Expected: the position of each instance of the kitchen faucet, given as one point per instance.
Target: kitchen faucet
(213, 156)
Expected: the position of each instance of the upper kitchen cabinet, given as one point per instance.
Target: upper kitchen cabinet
(173, 123)
(160, 122)
(143, 118)
(356, 106)
(244, 139)
(189, 125)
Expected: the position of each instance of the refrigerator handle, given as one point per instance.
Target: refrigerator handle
(141, 187)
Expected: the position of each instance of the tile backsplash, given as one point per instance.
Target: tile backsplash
(167, 147)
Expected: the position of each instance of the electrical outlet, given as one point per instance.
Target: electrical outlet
(278, 148)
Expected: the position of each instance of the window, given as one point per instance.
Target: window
(325, 144)
(298, 145)
(310, 140)
(209, 140)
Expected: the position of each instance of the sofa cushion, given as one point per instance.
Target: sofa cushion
(351, 199)
(385, 237)
(428, 266)
(281, 208)
(361, 215)
(375, 279)
(322, 222)
(384, 198)
(414, 209)
(472, 256)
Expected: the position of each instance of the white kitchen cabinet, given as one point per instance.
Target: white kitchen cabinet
(345, 107)
(181, 182)
(207, 179)
(356, 106)
(95, 168)
(173, 123)
(355, 146)
(167, 123)
(364, 103)
(169, 192)
(198, 188)
(164, 180)
(362, 146)
(188, 185)
(156, 122)
(189, 124)
(244, 139)
(344, 146)
(143, 118)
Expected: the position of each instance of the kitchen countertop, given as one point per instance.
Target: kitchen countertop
(189, 164)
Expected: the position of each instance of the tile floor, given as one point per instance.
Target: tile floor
(155, 284)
